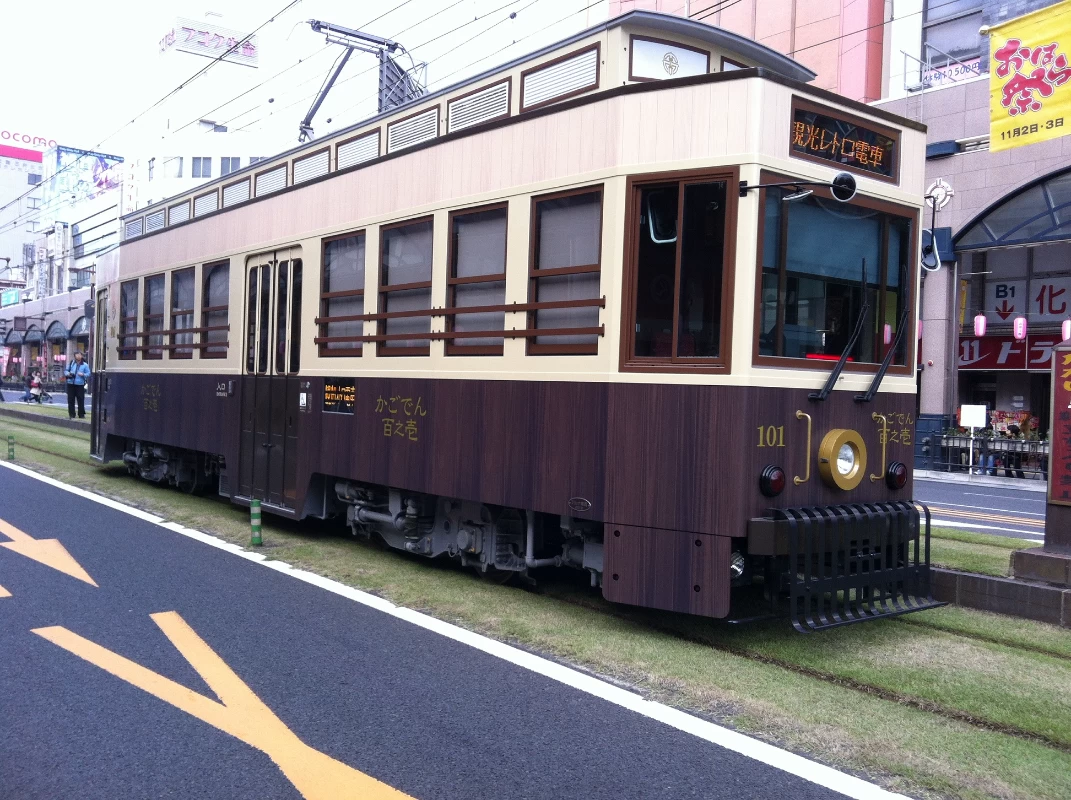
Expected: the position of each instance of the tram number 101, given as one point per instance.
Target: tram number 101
(771, 436)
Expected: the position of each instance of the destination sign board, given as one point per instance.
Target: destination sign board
(824, 135)
(340, 395)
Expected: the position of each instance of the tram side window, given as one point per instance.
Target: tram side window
(214, 303)
(477, 279)
(680, 276)
(342, 295)
(565, 271)
(813, 285)
(128, 319)
(154, 316)
(182, 283)
(405, 285)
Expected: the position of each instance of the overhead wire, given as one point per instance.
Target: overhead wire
(14, 223)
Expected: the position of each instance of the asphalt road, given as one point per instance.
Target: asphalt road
(1018, 513)
(96, 702)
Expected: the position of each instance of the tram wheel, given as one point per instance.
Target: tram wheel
(497, 577)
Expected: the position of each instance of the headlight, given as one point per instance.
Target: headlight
(842, 459)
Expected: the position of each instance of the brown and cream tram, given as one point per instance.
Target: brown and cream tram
(641, 303)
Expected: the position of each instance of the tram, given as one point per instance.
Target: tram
(641, 303)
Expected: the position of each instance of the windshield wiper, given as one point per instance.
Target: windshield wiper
(835, 374)
(876, 383)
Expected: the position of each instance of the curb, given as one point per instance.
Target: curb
(44, 419)
(1023, 484)
(1037, 601)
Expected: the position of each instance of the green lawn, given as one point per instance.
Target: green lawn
(974, 552)
(947, 702)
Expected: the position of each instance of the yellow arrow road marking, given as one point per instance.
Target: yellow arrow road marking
(4, 592)
(239, 712)
(45, 551)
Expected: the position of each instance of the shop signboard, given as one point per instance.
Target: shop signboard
(1041, 300)
(212, 41)
(992, 353)
(1030, 78)
(9, 297)
(1060, 432)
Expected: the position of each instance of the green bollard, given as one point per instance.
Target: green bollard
(11, 447)
(254, 523)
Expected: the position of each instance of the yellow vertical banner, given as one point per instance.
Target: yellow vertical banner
(1030, 78)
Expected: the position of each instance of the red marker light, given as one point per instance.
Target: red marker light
(896, 475)
(772, 481)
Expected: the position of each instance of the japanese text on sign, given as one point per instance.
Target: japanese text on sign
(340, 395)
(150, 397)
(404, 417)
(1060, 466)
(1030, 79)
(898, 428)
(842, 142)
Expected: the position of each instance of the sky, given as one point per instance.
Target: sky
(87, 74)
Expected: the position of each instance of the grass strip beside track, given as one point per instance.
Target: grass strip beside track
(974, 552)
(938, 702)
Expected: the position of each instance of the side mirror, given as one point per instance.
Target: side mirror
(931, 257)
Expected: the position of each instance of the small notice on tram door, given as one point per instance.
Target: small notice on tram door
(340, 395)
(1060, 435)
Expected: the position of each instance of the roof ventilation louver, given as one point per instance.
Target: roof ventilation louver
(418, 128)
(205, 204)
(571, 76)
(356, 151)
(154, 221)
(236, 193)
(178, 213)
(482, 106)
(271, 181)
(305, 169)
(132, 229)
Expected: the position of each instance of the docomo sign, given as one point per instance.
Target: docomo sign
(1004, 353)
(39, 142)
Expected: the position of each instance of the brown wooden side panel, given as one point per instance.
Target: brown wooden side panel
(524, 445)
(189, 411)
(689, 457)
(671, 570)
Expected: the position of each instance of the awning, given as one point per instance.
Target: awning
(56, 332)
(80, 328)
(13, 339)
(33, 336)
(1040, 211)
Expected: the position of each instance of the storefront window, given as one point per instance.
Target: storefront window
(821, 261)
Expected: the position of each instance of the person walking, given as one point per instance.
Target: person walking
(77, 375)
(34, 389)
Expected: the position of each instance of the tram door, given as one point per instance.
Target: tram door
(99, 366)
(268, 451)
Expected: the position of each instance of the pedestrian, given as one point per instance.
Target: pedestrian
(26, 396)
(35, 388)
(77, 380)
(1014, 457)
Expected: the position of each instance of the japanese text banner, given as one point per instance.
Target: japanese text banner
(1030, 78)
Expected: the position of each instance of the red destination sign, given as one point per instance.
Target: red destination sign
(1003, 352)
(1060, 434)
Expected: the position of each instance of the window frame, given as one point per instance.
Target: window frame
(452, 282)
(129, 352)
(205, 346)
(197, 170)
(929, 23)
(151, 352)
(384, 347)
(174, 349)
(628, 361)
(322, 347)
(534, 274)
(911, 295)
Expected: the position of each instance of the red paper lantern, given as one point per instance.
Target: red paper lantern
(1065, 329)
(1019, 328)
(888, 333)
(979, 325)
(919, 334)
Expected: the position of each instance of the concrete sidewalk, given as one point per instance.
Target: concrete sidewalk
(1035, 484)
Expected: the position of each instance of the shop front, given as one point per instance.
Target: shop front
(56, 337)
(34, 339)
(13, 365)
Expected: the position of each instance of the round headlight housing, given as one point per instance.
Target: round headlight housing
(842, 459)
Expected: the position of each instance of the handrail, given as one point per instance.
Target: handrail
(884, 444)
(453, 311)
(807, 472)
(524, 333)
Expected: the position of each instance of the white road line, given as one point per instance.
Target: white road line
(939, 503)
(947, 523)
(1023, 499)
(812, 771)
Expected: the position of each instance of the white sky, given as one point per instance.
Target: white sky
(77, 71)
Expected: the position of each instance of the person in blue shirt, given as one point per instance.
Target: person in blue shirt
(77, 379)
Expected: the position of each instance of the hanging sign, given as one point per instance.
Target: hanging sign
(825, 135)
(992, 353)
(1060, 432)
(1030, 78)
